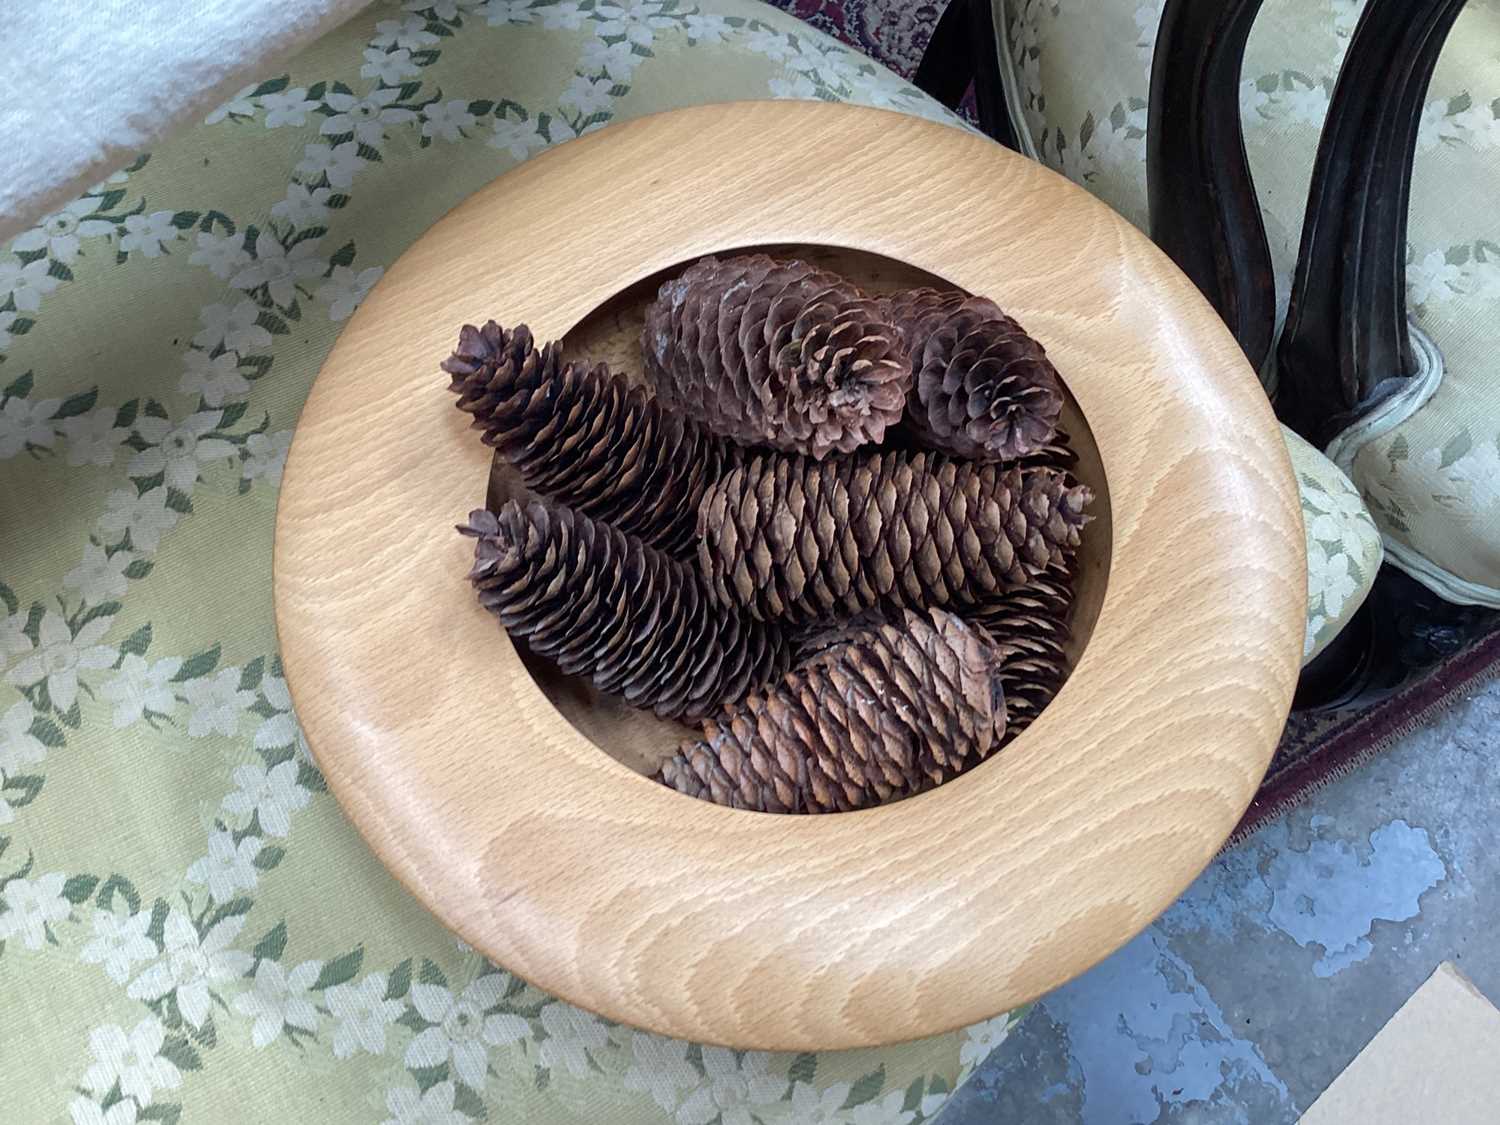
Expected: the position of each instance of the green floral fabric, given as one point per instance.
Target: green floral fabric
(1079, 75)
(189, 929)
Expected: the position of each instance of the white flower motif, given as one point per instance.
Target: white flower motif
(1316, 623)
(812, 1107)
(659, 1068)
(1336, 516)
(362, 1013)
(189, 965)
(271, 794)
(366, 117)
(18, 746)
(223, 254)
(563, 16)
(120, 941)
(390, 67)
(618, 60)
(145, 517)
(215, 378)
(289, 107)
(1253, 100)
(339, 163)
(31, 906)
(443, 9)
(637, 20)
(302, 207)
(235, 328)
(240, 105)
(1437, 126)
(60, 655)
(1345, 16)
(228, 867)
(982, 1038)
(886, 1111)
(60, 232)
(179, 452)
(571, 1034)
(265, 456)
(463, 1032)
(1433, 278)
(279, 999)
(836, 68)
(1480, 124)
(798, 86)
(773, 44)
(99, 577)
(217, 703)
(139, 687)
(93, 438)
(409, 1106)
(588, 95)
(1329, 575)
(1479, 469)
(707, 28)
(24, 423)
(410, 33)
(731, 1088)
(87, 1112)
(447, 120)
(149, 233)
(518, 137)
(133, 1060)
(345, 289)
(1307, 104)
(280, 269)
(27, 284)
(497, 12)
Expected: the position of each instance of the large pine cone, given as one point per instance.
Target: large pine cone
(984, 389)
(890, 711)
(796, 540)
(1030, 627)
(585, 438)
(602, 604)
(776, 353)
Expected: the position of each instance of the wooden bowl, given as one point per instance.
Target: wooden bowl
(537, 839)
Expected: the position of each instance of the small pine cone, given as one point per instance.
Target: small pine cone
(1030, 627)
(776, 353)
(585, 438)
(983, 388)
(891, 710)
(603, 604)
(796, 540)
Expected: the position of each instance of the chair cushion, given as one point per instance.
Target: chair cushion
(1078, 76)
(188, 925)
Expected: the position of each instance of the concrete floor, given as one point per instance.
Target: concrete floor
(1247, 997)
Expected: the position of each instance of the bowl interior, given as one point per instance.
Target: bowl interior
(611, 332)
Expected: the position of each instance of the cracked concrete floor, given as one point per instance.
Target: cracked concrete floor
(1249, 995)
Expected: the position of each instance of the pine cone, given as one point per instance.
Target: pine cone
(602, 604)
(776, 353)
(983, 388)
(795, 540)
(1030, 627)
(891, 711)
(585, 438)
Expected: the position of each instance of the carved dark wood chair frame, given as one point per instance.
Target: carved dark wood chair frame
(1345, 346)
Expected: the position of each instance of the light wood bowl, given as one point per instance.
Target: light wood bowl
(536, 838)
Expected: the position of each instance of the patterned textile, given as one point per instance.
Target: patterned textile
(188, 926)
(1429, 466)
(893, 32)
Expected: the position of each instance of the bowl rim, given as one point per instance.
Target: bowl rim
(744, 929)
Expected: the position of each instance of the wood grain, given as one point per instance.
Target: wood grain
(745, 929)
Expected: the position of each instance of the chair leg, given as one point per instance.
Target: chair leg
(1346, 345)
(1204, 212)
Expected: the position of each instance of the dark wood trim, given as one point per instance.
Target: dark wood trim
(948, 62)
(1346, 346)
(1204, 212)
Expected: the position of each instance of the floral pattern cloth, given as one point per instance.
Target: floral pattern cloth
(189, 929)
(1079, 75)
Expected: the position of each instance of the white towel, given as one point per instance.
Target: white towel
(86, 85)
